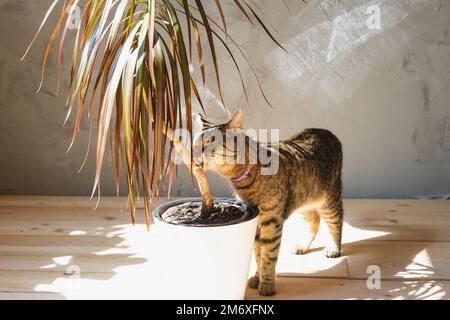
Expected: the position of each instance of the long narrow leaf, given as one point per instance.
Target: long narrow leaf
(132, 68)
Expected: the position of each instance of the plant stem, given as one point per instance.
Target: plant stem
(198, 172)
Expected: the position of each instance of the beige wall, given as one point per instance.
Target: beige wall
(385, 93)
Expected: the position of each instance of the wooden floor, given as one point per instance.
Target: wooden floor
(58, 248)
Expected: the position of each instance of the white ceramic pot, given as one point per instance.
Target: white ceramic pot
(205, 262)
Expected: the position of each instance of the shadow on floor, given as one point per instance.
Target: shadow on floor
(409, 257)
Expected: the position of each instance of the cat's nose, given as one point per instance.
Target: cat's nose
(198, 159)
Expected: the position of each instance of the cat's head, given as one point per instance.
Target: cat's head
(221, 147)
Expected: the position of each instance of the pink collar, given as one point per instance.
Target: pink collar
(241, 177)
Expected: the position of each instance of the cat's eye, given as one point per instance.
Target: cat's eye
(210, 140)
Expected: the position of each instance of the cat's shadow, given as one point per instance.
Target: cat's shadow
(408, 266)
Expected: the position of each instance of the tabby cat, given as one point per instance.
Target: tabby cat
(308, 181)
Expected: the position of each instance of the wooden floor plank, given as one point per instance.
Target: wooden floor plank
(30, 296)
(399, 220)
(425, 220)
(332, 289)
(61, 201)
(44, 282)
(87, 262)
(396, 260)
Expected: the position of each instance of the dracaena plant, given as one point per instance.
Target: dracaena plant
(131, 73)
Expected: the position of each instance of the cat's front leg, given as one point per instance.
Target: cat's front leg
(270, 241)
(253, 282)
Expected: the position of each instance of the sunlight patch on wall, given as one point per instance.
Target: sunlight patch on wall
(334, 57)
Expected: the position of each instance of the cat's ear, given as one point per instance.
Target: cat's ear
(206, 124)
(237, 122)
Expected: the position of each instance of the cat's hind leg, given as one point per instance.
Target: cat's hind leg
(310, 225)
(333, 214)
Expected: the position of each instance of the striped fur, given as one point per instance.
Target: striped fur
(308, 182)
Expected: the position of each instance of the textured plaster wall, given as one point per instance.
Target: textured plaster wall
(385, 93)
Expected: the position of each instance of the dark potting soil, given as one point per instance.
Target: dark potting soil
(189, 213)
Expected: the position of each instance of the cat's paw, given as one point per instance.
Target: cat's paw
(267, 289)
(332, 252)
(253, 282)
(298, 250)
